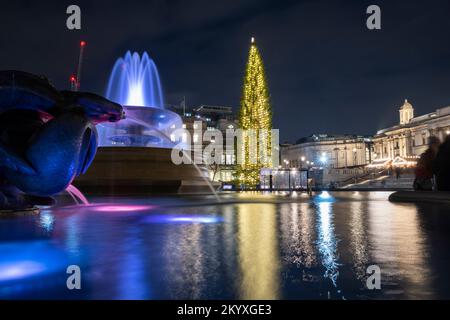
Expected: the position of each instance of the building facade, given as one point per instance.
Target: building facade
(334, 152)
(197, 121)
(329, 159)
(409, 139)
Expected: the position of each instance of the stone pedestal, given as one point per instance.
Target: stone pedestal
(11, 213)
(138, 171)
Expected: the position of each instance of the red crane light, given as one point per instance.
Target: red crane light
(72, 78)
(82, 43)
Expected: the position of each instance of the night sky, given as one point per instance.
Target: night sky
(327, 72)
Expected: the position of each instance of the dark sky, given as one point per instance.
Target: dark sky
(327, 72)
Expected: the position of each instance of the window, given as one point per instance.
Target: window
(226, 176)
(229, 159)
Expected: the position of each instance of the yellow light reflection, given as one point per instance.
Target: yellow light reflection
(258, 251)
(399, 245)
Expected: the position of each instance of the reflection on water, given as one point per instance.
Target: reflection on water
(298, 234)
(327, 242)
(73, 236)
(285, 247)
(184, 262)
(359, 240)
(411, 250)
(131, 282)
(298, 249)
(399, 243)
(47, 220)
(258, 254)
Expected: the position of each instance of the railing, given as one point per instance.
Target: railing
(358, 179)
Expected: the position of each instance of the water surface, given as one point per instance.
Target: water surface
(253, 246)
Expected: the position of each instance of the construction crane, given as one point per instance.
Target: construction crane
(75, 80)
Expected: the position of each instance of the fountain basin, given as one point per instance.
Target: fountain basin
(131, 171)
(142, 127)
(134, 158)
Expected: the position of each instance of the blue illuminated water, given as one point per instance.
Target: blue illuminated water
(252, 246)
(134, 81)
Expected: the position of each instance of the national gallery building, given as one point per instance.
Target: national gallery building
(409, 139)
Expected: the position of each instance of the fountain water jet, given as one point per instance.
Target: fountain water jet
(76, 195)
(135, 83)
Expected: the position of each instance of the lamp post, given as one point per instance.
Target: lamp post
(286, 162)
(289, 179)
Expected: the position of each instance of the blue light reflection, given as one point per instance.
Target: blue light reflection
(183, 219)
(24, 260)
(324, 196)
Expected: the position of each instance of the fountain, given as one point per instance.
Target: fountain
(134, 82)
(134, 155)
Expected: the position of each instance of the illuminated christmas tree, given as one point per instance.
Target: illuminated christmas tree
(255, 119)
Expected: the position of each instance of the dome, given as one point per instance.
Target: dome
(406, 112)
(406, 105)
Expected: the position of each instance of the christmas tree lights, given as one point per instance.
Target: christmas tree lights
(255, 120)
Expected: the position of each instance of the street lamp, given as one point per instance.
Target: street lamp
(289, 179)
(286, 162)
